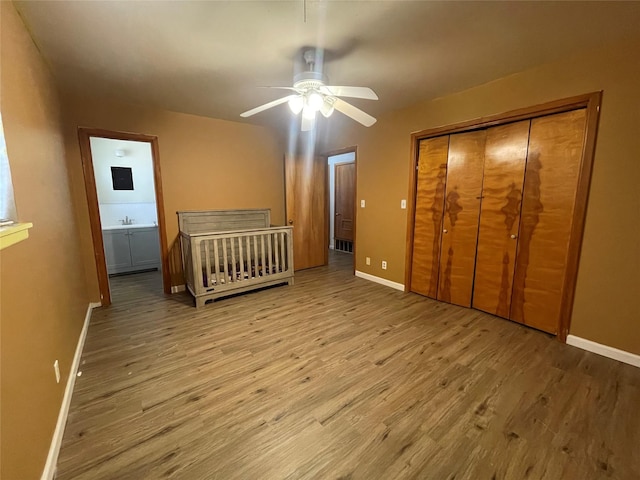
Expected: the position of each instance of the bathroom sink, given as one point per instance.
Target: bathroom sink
(124, 227)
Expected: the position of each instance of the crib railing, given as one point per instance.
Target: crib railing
(228, 262)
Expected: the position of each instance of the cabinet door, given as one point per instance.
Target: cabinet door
(145, 247)
(427, 230)
(461, 211)
(504, 164)
(551, 181)
(116, 250)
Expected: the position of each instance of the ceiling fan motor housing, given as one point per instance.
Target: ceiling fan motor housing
(307, 80)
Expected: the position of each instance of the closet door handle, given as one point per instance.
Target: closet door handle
(445, 231)
(514, 236)
(290, 222)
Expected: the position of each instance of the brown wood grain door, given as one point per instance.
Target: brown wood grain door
(551, 181)
(461, 215)
(345, 175)
(305, 189)
(504, 165)
(427, 230)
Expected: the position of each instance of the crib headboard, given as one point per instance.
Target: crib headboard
(207, 221)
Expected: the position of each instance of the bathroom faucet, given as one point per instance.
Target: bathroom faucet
(127, 221)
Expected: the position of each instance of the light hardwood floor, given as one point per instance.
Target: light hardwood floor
(338, 377)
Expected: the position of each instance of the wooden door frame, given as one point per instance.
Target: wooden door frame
(353, 149)
(84, 135)
(591, 102)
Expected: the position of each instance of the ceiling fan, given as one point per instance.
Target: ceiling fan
(313, 95)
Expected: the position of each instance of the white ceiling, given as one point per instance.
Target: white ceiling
(209, 58)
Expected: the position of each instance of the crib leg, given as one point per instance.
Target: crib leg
(200, 302)
(290, 282)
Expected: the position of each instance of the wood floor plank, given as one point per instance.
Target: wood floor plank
(338, 377)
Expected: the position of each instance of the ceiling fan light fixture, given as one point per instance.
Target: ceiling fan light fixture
(308, 112)
(315, 100)
(326, 109)
(296, 104)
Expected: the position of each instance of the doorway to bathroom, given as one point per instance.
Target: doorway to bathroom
(124, 194)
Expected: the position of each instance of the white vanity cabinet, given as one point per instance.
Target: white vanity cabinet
(131, 249)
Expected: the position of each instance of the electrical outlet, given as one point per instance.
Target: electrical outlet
(403, 203)
(367, 260)
(384, 264)
(361, 203)
(56, 368)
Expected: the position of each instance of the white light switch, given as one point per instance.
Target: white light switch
(361, 203)
(367, 260)
(403, 203)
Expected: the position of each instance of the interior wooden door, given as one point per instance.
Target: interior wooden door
(427, 230)
(504, 165)
(305, 189)
(345, 175)
(551, 181)
(461, 212)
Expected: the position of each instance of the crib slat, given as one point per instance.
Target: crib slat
(270, 258)
(207, 262)
(248, 240)
(232, 244)
(262, 258)
(282, 256)
(216, 260)
(255, 256)
(290, 265)
(224, 260)
(240, 259)
(275, 251)
(196, 265)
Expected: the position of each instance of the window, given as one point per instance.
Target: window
(10, 230)
(7, 202)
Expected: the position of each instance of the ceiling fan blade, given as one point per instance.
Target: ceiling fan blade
(354, 112)
(266, 106)
(353, 92)
(308, 123)
(284, 88)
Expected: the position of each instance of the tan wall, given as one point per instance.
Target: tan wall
(206, 164)
(606, 308)
(44, 298)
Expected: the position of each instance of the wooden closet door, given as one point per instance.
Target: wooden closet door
(551, 180)
(504, 164)
(461, 212)
(431, 177)
(305, 201)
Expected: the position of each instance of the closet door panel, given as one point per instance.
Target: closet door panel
(551, 181)
(504, 164)
(461, 212)
(431, 177)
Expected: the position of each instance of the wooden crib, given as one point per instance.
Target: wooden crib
(225, 252)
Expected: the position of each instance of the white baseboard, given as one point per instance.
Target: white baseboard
(56, 441)
(177, 288)
(381, 281)
(604, 350)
